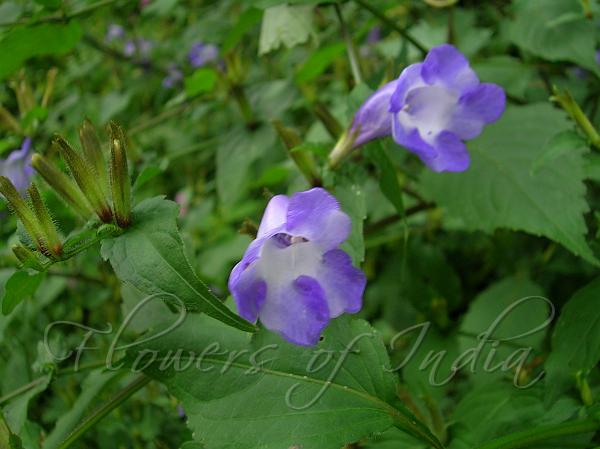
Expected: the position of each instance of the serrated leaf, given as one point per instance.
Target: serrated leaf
(556, 30)
(277, 395)
(19, 287)
(500, 191)
(23, 43)
(150, 256)
(286, 25)
(575, 341)
(561, 144)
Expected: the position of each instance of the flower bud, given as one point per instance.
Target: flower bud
(304, 160)
(62, 184)
(84, 177)
(52, 240)
(23, 212)
(119, 176)
(92, 151)
(27, 258)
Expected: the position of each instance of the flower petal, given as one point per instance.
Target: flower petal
(478, 107)
(344, 284)
(373, 119)
(446, 65)
(316, 216)
(409, 79)
(299, 313)
(275, 215)
(249, 292)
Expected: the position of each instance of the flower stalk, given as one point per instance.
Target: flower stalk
(568, 103)
(303, 160)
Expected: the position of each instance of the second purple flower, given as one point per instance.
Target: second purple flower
(431, 109)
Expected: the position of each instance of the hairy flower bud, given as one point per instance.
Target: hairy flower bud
(52, 240)
(119, 176)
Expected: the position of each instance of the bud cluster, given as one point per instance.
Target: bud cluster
(92, 188)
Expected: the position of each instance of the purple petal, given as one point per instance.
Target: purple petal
(409, 79)
(275, 215)
(446, 153)
(249, 292)
(373, 120)
(344, 284)
(316, 216)
(299, 314)
(446, 65)
(476, 108)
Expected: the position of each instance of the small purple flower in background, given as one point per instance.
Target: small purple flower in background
(17, 167)
(129, 48)
(431, 109)
(141, 47)
(174, 76)
(201, 54)
(294, 277)
(598, 57)
(374, 35)
(114, 33)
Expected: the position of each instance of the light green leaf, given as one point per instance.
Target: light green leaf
(8, 440)
(24, 43)
(499, 189)
(285, 25)
(575, 341)
(201, 81)
(19, 287)
(150, 256)
(556, 30)
(246, 22)
(318, 62)
(277, 395)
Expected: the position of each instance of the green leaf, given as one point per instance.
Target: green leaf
(555, 30)
(24, 43)
(8, 440)
(513, 307)
(575, 341)
(509, 72)
(318, 62)
(351, 196)
(19, 287)
(561, 144)
(150, 256)
(499, 189)
(388, 179)
(275, 394)
(91, 387)
(246, 22)
(285, 25)
(201, 81)
(15, 412)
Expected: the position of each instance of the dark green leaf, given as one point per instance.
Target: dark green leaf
(150, 256)
(19, 287)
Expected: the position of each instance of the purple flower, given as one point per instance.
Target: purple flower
(174, 76)
(201, 54)
(141, 47)
(431, 109)
(129, 48)
(114, 32)
(17, 167)
(293, 276)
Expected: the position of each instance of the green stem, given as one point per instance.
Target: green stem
(351, 50)
(13, 394)
(105, 409)
(538, 435)
(366, 4)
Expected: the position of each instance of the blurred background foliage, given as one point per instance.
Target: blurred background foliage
(521, 222)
